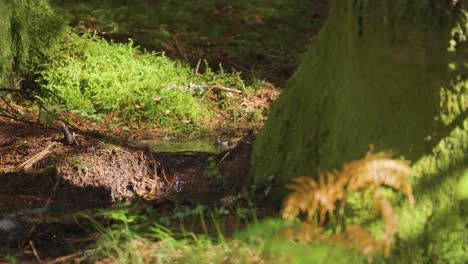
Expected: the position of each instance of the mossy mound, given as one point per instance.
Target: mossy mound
(96, 77)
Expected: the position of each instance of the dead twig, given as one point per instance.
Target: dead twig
(30, 197)
(222, 88)
(198, 66)
(31, 244)
(179, 47)
(224, 157)
(36, 158)
(88, 239)
(10, 106)
(10, 90)
(49, 200)
(70, 257)
(68, 136)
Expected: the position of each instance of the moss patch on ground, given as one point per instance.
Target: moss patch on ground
(119, 83)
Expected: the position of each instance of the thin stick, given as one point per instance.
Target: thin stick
(10, 106)
(46, 206)
(165, 178)
(178, 47)
(30, 197)
(34, 251)
(69, 257)
(84, 239)
(36, 158)
(225, 156)
(222, 88)
(198, 66)
(10, 90)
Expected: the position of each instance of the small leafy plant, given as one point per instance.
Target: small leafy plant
(212, 170)
(321, 202)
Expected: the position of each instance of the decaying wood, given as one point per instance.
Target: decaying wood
(68, 137)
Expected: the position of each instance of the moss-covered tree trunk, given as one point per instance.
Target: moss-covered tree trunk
(392, 74)
(28, 31)
(374, 75)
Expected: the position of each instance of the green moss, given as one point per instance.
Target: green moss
(5, 43)
(95, 76)
(435, 231)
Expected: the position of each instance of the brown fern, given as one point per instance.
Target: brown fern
(379, 169)
(373, 172)
(310, 196)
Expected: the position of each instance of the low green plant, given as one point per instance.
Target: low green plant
(212, 170)
(11, 259)
(136, 236)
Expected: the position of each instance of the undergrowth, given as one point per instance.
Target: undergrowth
(197, 235)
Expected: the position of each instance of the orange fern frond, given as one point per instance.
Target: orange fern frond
(389, 219)
(300, 200)
(358, 238)
(379, 169)
(305, 233)
(373, 172)
(308, 196)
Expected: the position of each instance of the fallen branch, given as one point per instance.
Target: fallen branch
(31, 244)
(36, 158)
(70, 257)
(10, 90)
(222, 88)
(68, 136)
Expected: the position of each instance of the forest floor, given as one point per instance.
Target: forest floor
(45, 179)
(47, 183)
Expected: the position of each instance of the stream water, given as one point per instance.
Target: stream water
(212, 145)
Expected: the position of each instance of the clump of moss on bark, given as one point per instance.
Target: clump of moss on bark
(29, 31)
